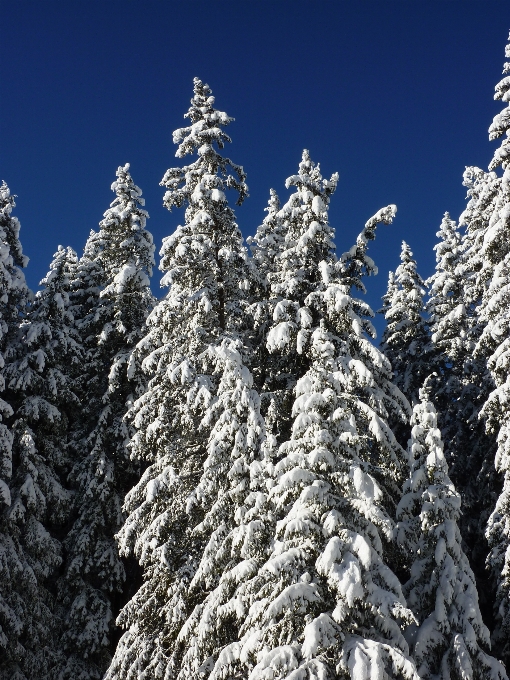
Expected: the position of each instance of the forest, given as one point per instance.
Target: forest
(236, 481)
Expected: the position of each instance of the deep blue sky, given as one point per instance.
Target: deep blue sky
(395, 95)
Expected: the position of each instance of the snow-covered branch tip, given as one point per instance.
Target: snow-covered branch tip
(384, 215)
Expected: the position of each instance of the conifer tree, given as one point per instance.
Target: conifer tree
(189, 331)
(405, 340)
(269, 240)
(457, 290)
(13, 296)
(449, 336)
(455, 294)
(38, 378)
(451, 640)
(16, 574)
(38, 346)
(307, 242)
(307, 610)
(94, 577)
(446, 307)
(266, 247)
(494, 345)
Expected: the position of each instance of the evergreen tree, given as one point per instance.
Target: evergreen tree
(111, 380)
(308, 240)
(405, 340)
(266, 247)
(39, 381)
(16, 574)
(446, 307)
(494, 345)
(451, 639)
(38, 346)
(318, 600)
(204, 311)
(13, 296)
(449, 334)
(269, 240)
(456, 289)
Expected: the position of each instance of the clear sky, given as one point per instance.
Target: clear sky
(395, 95)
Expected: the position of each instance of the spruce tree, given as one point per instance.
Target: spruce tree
(39, 378)
(322, 602)
(38, 346)
(13, 296)
(449, 329)
(206, 270)
(118, 259)
(15, 571)
(405, 340)
(493, 344)
(451, 641)
(266, 247)
(307, 241)
(269, 240)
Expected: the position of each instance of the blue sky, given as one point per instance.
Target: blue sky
(395, 95)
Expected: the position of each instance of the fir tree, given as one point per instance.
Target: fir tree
(229, 492)
(266, 247)
(446, 307)
(13, 295)
(321, 601)
(38, 377)
(269, 240)
(451, 640)
(455, 294)
(206, 270)
(308, 240)
(405, 339)
(494, 345)
(111, 381)
(16, 575)
(38, 347)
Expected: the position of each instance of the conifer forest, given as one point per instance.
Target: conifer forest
(237, 481)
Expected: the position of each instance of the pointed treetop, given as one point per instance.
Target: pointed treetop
(127, 214)
(211, 173)
(206, 123)
(273, 205)
(125, 188)
(501, 123)
(448, 236)
(310, 178)
(269, 239)
(406, 272)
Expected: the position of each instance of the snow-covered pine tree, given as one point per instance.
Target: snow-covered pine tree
(195, 342)
(38, 379)
(269, 240)
(451, 640)
(448, 327)
(322, 602)
(266, 247)
(446, 307)
(405, 340)
(494, 344)
(16, 574)
(456, 288)
(113, 299)
(307, 241)
(13, 297)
